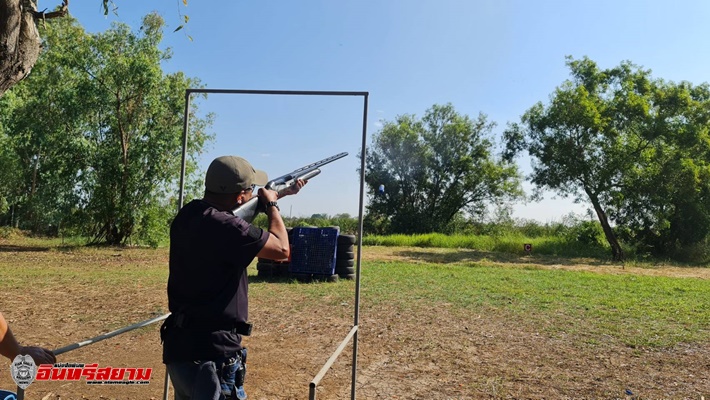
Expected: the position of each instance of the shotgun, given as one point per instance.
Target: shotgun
(251, 208)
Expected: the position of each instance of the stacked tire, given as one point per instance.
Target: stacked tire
(345, 257)
(273, 268)
(269, 268)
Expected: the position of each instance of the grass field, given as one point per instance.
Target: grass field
(435, 323)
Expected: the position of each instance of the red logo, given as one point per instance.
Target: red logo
(93, 374)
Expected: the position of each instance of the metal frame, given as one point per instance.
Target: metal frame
(353, 332)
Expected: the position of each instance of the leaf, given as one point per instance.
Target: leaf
(105, 5)
(178, 28)
(189, 37)
(187, 18)
(184, 2)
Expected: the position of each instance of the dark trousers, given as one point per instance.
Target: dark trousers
(207, 380)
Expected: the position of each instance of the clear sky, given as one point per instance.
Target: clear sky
(497, 57)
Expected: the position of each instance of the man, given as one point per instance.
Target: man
(10, 348)
(210, 249)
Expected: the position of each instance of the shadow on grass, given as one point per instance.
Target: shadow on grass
(289, 279)
(473, 256)
(10, 248)
(270, 279)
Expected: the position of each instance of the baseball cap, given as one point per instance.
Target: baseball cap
(231, 174)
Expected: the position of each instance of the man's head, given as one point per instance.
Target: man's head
(231, 174)
(232, 179)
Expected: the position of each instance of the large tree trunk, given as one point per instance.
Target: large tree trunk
(19, 41)
(617, 253)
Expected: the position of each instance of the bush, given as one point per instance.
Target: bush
(588, 233)
(8, 232)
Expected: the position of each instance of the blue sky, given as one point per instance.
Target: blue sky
(497, 57)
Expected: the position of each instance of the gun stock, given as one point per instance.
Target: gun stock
(249, 210)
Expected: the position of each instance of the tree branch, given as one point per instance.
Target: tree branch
(54, 14)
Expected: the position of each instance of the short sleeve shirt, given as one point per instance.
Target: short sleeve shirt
(209, 253)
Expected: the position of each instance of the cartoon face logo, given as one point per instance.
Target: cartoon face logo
(23, 370)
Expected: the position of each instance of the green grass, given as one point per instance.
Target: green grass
(636, 310)
(510, 243)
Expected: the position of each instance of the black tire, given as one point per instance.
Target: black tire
(264, 274)
(348, 276)
(280, 269)
(326, 278)
(346, 239)
(345, 270)
(300, 276)
(265, 267)
(345, 255)
(344, 263)
(341, 248)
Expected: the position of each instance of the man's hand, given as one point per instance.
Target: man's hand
(300, 183)
(266, 196)
(39, 355)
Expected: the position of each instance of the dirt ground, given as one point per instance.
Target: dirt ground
(438, 353)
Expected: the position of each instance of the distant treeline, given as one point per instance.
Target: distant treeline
(90, 146)
(573, 236)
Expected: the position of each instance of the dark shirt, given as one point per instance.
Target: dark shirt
(209, 253)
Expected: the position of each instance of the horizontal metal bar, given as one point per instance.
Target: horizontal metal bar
(329, 363)
(74, 346)
(279, 92)
(99, 338)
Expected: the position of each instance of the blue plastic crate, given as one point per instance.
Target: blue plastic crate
(313, 250)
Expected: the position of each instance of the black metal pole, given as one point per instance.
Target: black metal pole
(356, 321)
(185, 123)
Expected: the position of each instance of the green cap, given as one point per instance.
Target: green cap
(231, 174)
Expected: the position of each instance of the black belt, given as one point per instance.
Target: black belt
(210, 325)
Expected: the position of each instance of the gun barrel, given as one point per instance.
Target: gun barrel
(249, 209)
(310, 175)
(319, 163)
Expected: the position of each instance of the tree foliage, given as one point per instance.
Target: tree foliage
(667, 207)
(97, 128)
(434, 168)
(610, 137)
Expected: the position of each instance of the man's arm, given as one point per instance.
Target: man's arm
(277, 247)
(10, 348)
(8, 344)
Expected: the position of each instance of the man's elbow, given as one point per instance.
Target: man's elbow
(285, 251)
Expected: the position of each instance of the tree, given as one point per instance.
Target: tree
(111, 137)
(434, 168)
(668, 209)
(49, 146)
(20, 43)
(605, 137)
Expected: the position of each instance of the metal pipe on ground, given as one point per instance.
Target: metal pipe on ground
(329, 363)
(74, 346)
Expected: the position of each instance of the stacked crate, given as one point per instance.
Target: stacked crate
(319, 254)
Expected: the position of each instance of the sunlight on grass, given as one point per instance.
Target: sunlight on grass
(591, 307)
